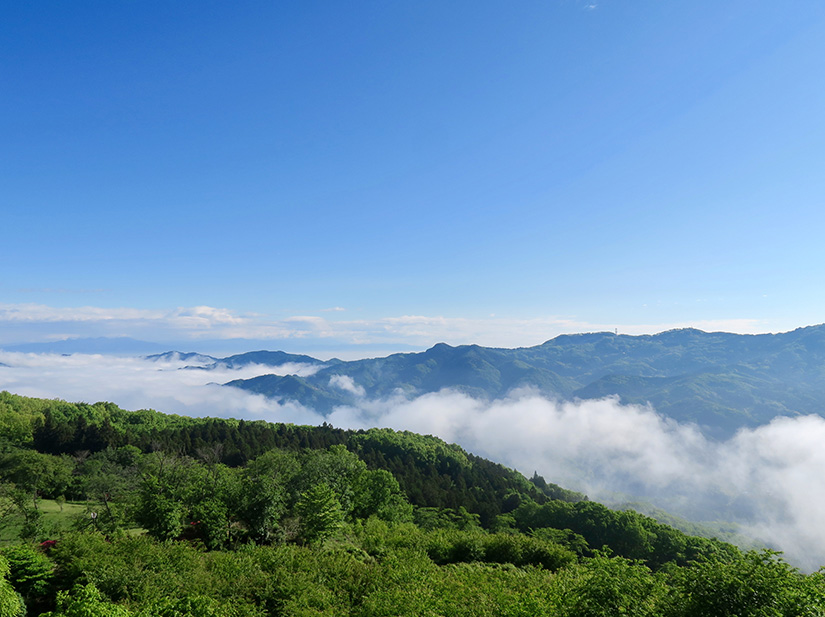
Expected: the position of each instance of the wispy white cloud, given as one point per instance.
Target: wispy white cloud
(37, 322)
(49, 314)
(200, 317)
(135, 383)
(346, 383)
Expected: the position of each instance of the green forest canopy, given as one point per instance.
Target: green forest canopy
(205, 516)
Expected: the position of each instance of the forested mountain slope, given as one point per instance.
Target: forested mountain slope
(200, 517)
(718, 380)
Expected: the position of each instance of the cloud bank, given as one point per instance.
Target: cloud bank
(768, 479)
(135, 383)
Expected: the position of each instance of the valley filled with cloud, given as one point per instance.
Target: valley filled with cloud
(765, 479)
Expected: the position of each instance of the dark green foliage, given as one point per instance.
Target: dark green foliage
(267, 358)
(435, 474)
(554, 491)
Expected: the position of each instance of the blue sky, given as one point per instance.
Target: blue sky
(379, 175)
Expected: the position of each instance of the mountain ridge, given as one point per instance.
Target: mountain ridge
(720, 381)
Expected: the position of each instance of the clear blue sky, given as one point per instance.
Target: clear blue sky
(491, 172)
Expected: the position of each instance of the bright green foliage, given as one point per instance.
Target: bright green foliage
(563, 537)
(385, 569)
(757, 584)
(86, 601)
(454, 546)
(30, 572)
(377, 493)
(261, 505)
(263, 494)
(626, 533)
(430, 472)
(605, 587)
(26, 507)
(198, 606)
(212, 522)
(336, 467)
(321, 513)
(521, 550)
(319, 524)
(18, 417)
(419, 447)
(177, 492)
(160, 513)
(11, 604)
(445, 518)
(39, 474)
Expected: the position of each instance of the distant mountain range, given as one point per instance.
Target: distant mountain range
(265, 358)
(126, 346)
(182, 356)
(720, 381)
(97, 345)
(717, 380)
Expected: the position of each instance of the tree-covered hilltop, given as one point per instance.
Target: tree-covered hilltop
(718, 380)
(431, 472)
(147, 514)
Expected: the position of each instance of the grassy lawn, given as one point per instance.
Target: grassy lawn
(55, 518)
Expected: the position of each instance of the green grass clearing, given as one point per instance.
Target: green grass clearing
(56, 518)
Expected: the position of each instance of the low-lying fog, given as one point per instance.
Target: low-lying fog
(769, 479)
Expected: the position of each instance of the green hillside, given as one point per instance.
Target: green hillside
(202, 517)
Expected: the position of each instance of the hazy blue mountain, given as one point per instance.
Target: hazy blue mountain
(181, 356)
(266, 358)
(718, 380)
(296, 389)
(121, 345)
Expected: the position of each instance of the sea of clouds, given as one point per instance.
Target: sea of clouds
(769, 479)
